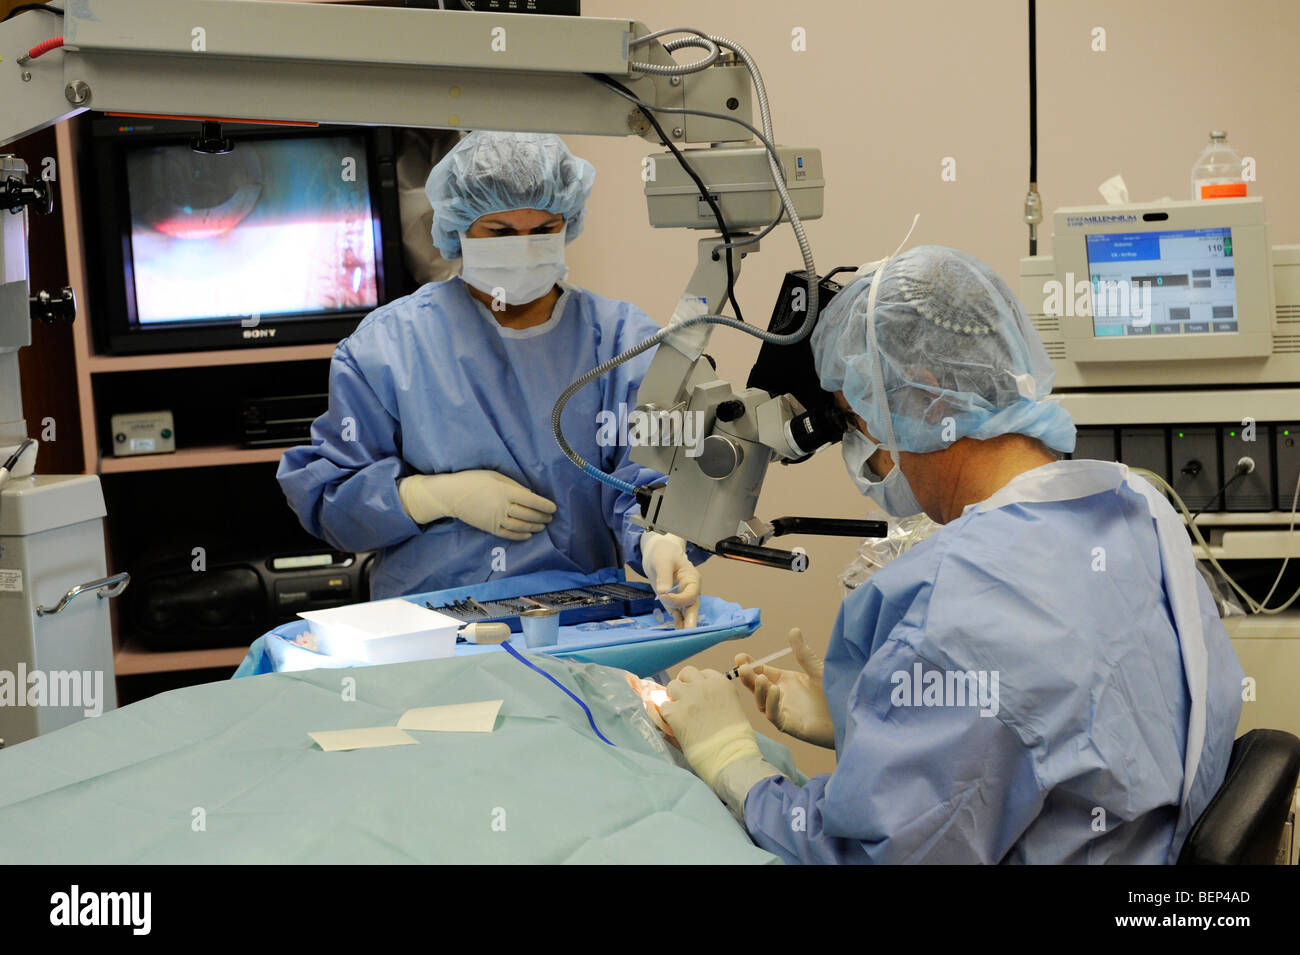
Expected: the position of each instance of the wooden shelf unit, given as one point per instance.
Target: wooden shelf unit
(89, 364)
(131, 659)
(214, 457)
(104, 364)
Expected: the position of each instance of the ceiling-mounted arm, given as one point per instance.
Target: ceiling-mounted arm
(351, 65)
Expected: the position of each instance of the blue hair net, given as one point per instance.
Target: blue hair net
(958, 356)
(496, 172)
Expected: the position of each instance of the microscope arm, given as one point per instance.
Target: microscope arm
(351, 65)
(737, 549)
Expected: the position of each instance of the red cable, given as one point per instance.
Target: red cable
(44, 47)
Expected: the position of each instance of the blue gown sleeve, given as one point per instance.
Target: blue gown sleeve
(343, 486)
(619, 506)
(912, 784)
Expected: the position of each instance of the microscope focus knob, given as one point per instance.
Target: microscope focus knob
(731, 409)
(719, 457)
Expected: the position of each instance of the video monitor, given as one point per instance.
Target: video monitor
(292, 236)
(1179, 282)
(1169, 282)
(275, 227)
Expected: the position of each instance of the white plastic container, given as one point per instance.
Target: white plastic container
(1217, 173)
(383, 631)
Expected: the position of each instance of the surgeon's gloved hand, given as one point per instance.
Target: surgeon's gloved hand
(708, 722)
(666, 565)
(793, 701)
(487, 500)
(715, 736)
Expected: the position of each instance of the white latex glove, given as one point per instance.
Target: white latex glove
(487, 500)
(794, 702)
(708, 722)
(664, 558)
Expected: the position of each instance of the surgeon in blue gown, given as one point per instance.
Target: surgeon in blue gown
(1045, 679)
(437, 449)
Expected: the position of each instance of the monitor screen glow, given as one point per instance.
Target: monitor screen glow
(1179, 282)
(277, 227)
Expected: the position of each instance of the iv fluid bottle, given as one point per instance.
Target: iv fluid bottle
(1217, 173)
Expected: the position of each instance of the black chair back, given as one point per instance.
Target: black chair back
(1242, 825)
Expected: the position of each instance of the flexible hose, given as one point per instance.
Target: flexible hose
(677, 69)
(787, 203)
(1256, 606)
(753, 131)
(40, 49)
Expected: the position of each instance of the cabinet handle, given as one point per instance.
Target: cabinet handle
(108, 587)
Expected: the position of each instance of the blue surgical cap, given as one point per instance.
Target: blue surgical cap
(958, 356)
(496, 172)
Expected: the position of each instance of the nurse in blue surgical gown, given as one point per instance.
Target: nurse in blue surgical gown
(437, 450)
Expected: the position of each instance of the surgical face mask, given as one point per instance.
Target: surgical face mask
(518, 268)
(857, 448)
(892, 493)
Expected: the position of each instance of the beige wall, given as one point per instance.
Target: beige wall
(886, 91)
